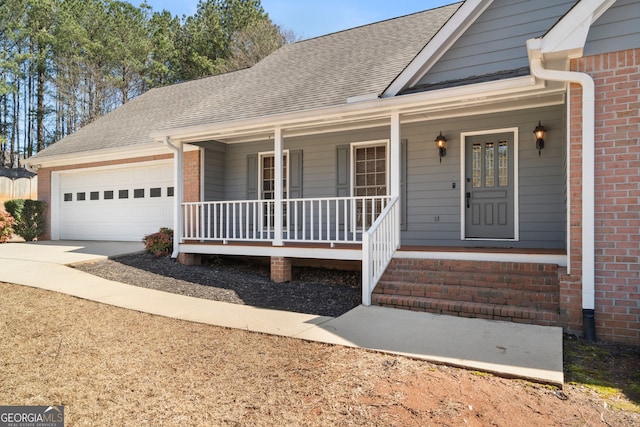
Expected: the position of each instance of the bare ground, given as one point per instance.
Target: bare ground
(116, 367)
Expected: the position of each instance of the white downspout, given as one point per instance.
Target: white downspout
(588, 186)
(177, 185)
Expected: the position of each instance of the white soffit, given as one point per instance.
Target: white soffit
(569, 35)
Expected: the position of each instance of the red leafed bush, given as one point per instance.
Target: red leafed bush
(159, 244)
(6, 226)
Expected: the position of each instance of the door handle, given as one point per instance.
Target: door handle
(468, 198)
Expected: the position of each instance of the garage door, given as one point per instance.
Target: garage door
(124, 203)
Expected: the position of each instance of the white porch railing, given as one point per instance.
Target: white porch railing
(317, 220)
(379, 244)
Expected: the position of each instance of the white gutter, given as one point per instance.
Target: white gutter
(177, 185)
(588, 164)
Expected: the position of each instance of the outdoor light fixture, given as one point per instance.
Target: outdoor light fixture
(539, 132)
(441, 142)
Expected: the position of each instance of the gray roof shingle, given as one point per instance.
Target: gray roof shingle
(311, 74)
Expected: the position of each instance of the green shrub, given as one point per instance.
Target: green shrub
(29, 216)
(160, 243)
(6, 226)
(14, 207)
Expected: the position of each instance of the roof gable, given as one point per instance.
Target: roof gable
(493, 45)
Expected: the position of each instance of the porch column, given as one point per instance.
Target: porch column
(394, 161)
(277, 210)
(178, 197)
(178, 185)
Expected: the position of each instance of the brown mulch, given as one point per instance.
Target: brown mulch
(317, 291)
(115, 367)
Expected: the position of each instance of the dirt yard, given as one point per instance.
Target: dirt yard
(115, 367)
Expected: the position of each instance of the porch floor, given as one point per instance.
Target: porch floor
(353, 251)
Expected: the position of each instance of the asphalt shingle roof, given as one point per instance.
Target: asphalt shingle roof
(311, 74)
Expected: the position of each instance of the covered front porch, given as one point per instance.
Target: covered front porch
(370, 184)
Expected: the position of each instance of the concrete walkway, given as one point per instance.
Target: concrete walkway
(525, 351)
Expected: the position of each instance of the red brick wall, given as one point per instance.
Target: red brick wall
(617, 196)
(191, 173)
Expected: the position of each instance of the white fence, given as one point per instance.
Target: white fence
(20, 188)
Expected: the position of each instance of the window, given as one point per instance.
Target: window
(81, 196)
(369, 179)
(94, 195)
(155, 192)
(108, 195)
(169, 191)
(68, 197)
(494, 170)
(123, 194)
(268, 185)
(138, 193)
(370, 171)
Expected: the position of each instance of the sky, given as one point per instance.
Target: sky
(312, 18)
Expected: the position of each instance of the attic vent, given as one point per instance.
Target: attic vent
(361, 98)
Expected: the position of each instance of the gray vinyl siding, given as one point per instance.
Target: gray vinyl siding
(433, 206)
(617, 29)
(318, 157)
(214, 171)
(497, 40)
(236, 168)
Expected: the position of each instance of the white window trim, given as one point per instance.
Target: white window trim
(264, 154)
(352, 166)
(516, 185)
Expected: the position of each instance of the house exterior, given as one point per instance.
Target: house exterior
(327, 149)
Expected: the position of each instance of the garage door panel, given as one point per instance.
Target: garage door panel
(117, 218)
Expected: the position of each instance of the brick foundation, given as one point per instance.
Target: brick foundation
(280, 269)
(617, 198)
(189, 259)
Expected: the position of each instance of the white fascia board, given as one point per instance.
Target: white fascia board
(569, 35)
(438, 45)
(106, 155)
(381, 107)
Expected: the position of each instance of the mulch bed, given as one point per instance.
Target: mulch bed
(313, 290)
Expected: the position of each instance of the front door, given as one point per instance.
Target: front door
(489, 185)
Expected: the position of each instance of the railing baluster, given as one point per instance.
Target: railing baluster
(326, 219)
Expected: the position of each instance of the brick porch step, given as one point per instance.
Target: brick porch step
(518, 292)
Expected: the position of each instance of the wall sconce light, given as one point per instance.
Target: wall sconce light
(441, 142)
(539, 132)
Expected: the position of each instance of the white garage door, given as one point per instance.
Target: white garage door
(123, 204)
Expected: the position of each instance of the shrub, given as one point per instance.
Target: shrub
(29, 216)
(6, 226)
(160, 243)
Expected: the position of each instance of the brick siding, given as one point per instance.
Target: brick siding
(280, 269)
(617, 197)
(191, 173)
